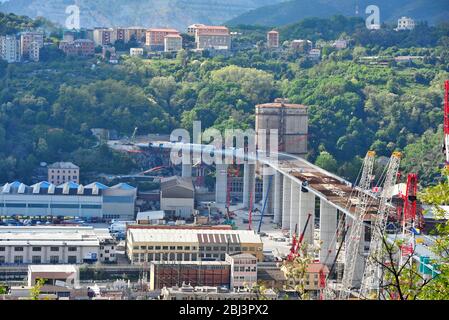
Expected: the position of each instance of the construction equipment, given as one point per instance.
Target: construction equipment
(296, 243)
(356, 228)
(372, 277)
(409, 217)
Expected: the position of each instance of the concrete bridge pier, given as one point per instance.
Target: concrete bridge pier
(186, 170)
(328, 227)
(277, 197)
(359, 258)
(285, 222)
(294, 208)
(221, 186)
(306, 207)
(249, 184)
(266, 182)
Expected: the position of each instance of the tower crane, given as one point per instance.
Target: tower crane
(409, 217)
(355, 232)
(372, 275)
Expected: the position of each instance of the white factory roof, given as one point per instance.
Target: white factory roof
(194, 235)
(50, 235)
(150, 215)
(52, 268)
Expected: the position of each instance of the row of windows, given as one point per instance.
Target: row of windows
(63, 178)
(38, 259)
(38, 249)
(186, 248)
(201, 248)
(63, 171)
(247, 269)
(52, 205)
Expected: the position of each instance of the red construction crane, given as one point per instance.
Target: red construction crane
(296, 243)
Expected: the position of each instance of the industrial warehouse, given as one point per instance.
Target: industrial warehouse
(189, 244)
(55, 245)
(69, 199)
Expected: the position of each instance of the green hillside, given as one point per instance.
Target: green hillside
(390, 10)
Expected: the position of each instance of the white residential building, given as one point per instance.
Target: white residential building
(9, 49)
(136, 52)
(172, 43)
(406, 23)
(243, 270)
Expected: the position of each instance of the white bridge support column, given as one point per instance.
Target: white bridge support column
(277, 205)
(286, 203)
(249, 184)
(266, 181)
(294, 208)
(186, 170)
(359, 258)
(221, 184)
(328, 228)
(306, 207)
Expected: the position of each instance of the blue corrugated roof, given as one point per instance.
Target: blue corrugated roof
(123, 186)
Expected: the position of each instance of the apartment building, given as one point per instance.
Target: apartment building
(172, 43)
(135, 33)
(189, 244)
(191, 30)
(104, 36)
(80, 48)
(62, 172)
(213, 37)
(70, 199)
(55, 245)
(243, 270)
(9, 48)
(155, 38)
(136, 52)
(406, 23)
(273, 39)
(30, 45)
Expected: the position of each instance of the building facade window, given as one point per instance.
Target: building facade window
(18, 259)
(54, 259)
(71, 259)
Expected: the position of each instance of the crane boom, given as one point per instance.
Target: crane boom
(372, 276)
(357, 225)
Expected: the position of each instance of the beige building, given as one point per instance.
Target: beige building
(213, 37)
(172, 43)
(189, 244)
(62, 172)
(178, 196)
(104, 36)
(191, 30)
(243, 270)
(273, 39)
